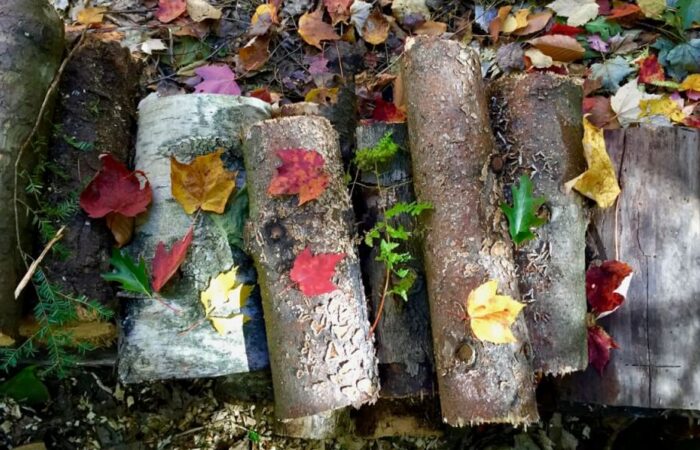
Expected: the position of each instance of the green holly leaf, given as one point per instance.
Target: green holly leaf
(522, 216)
(689, 12)
(26, 387)
(133, 278)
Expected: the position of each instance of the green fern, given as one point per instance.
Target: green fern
(382, 153)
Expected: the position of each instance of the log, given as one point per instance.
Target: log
(465, 242)
(402, 337)
(104, 120)
(538, 120)
(657, 230)
(157, 343)
(321, 356)
(30, 33)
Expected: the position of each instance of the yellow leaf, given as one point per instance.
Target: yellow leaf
(663, 106)
(491, 315)
(6, 341)
(515, 21)
(692, 82)
(599, 182)
(260, 11)
(90, 16)
(322, 96)
(652, 8)
(204, 183)
(223, 301)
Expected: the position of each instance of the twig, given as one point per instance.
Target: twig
(381, 302)
(32, 268)
(27, 141)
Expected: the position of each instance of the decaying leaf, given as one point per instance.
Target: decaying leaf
(410, 12)
(606, 286)
(522, 216)
(255, 53)
(491, 315)
(169, 10)
(204, 183)
(652, 8)
(599, 112)
(302, 172)
(535, 22)
(122, 227)
(662, 106)
(313, 29)
(264, 17)
(339, 10)
(650, 70)
(200, 10)
(223, 301)
(217, 79)
(313, 273)
(577, 12)
(599, 345)
(387, 112)
(376, 28)
(538, 59)
(599, 182)
(166, 262)
(496, 25)
(90, 16)
(560, 47)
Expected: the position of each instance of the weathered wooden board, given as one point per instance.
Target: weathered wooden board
(658, 234)
(157, 342)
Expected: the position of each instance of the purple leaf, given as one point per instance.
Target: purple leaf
(597, 43)
(318, 64)
(217, 79)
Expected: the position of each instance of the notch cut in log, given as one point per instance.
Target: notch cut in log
(321, 357)
(539, 116)
(158, 343)
(31, 33)
(465, 242)
(658, 233)
(403, 339)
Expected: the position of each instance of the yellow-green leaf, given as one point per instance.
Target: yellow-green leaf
(492, 315)
(662, 106)
(599, 182)
(223, 301)
(204, 183)
(692, 82)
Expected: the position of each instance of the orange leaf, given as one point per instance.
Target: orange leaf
(313, 29)
(339, 10)
(204, 183)
(90, 16)
(496, 24)
(122, 227)
(165, 263)
(169, 10)
(625, 12)
(301, 173)
(265, 16)
(535, 22)
(376, 28)
(559, 47)
(431, 28)
(255, 53)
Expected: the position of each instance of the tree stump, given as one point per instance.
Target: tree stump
(30, 33)
(158, 343)
(538, 119)
(657, 229)
(465, 241)
(403, 339)
(321, 356)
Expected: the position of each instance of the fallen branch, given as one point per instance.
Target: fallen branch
(32, 268)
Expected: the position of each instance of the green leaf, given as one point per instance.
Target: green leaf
(232, 221)
(611, 72)
(399, 233)
(26, 387)
(133, 278)
(414, 209)
(253, 436)
(683, 59)
(383, 152)
(373, 234)
(689, 11)
(522, 216)
(606, 29)
(404, 285)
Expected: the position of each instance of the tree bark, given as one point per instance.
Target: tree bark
(156, 342)
(403, 339)
(321, 356)
(96, 105)
(465, 242)
(31, 33)
(538, 119)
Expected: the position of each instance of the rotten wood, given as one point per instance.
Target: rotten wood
(158, 342)
(30, 32)
(657, 229)
(465, 241)
(403, 339)
(321, 356)
(538, 122)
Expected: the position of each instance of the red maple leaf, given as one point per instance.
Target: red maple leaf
(606, 286)
(599, 345)
(567, 30)
(387, 112)
(169, 10)
(165, 263)
(116, 189)
(313, 273)
(650, 70)
(301, 173)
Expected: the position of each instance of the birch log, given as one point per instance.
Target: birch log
(539, 117)
(31, 46)
(465, 242)
(156, 342)
(321, 356)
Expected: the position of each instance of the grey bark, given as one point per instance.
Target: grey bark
(465, 241)
(157, 343)
(538, 117)
(320, 354)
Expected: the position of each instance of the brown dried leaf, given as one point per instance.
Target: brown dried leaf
(559, 47)
(313, 29)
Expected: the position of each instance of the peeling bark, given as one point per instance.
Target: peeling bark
(465, 240)
(539, 120)
(31, 33)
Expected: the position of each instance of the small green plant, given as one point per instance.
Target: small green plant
(522, 215)
(399, 277)
(132, 277)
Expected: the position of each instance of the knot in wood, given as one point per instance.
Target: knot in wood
(466, 354)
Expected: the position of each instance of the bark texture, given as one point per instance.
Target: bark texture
(320, 354)
(658, 230)
(465, 240)
(538, 119)
(156, 342)
(31, 46)
(96, 105)
(403, 339)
